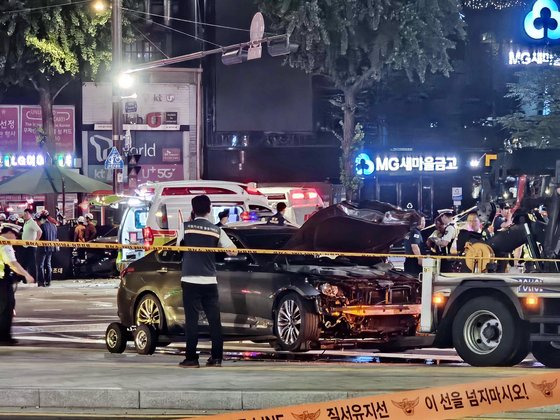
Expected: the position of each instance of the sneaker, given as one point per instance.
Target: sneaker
(189, 364)
(214, 362)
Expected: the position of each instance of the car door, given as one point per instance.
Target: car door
(170, 265)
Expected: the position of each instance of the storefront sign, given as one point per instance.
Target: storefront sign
(407, 163)
(64, 127)
(157, 106)
(31, 160)
(526, 57)
(160, 155)
(9, 128)
(542, 21)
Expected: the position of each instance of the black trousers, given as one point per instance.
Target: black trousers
(7, 305)
(44, 267)
(195, 298)
(29, 260)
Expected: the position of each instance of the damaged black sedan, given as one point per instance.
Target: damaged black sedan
(295, 302)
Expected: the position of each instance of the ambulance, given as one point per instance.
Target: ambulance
(301, 202)
(155, 213)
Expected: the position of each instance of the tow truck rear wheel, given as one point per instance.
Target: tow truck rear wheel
(547, 352)
(115, 337)
(145, 339)
(486, 332)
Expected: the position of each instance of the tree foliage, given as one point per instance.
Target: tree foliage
(358, 43)
(536, 121)
(49, 47)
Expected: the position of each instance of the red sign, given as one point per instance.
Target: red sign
(9, 128)
(64, 129)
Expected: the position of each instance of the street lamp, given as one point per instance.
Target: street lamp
(99, 6)
(125, 81)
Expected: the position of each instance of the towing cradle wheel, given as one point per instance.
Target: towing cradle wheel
(115, 338)
(547, 352)
(296, 326)
(149, 312)
(486, 332)
(145, 339)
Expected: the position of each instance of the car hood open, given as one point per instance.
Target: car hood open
(370, 226)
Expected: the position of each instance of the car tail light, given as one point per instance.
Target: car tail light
(298, 196)
(148, 236)
(127, 270)
(312, 194)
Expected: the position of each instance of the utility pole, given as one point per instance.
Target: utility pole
(117, 126)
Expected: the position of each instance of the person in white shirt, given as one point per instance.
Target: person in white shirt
(7, 299)
(31, 232)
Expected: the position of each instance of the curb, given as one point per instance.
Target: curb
(172, 399)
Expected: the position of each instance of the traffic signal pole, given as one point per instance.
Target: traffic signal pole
(117, 126)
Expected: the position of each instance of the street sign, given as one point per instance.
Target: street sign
(457, 193)
(114, 160)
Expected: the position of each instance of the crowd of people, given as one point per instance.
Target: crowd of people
(447, 239)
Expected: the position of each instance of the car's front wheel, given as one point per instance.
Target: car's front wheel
(296, 325)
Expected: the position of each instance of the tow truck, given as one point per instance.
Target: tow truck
(491, 317)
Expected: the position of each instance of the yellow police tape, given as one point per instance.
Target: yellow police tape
(445, 402)
(96, 245)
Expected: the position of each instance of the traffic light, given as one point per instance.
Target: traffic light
(132, 170)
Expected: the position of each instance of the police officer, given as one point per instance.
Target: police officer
(278, 218)
(7, 299)
(443, 237)
(414, 244)
(199, 282)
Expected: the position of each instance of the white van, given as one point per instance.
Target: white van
(301, 202)
(153, 217)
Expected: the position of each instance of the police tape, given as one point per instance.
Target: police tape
(445, 402)
(319, 253)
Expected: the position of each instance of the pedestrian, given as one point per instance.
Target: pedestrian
(503, 218)
(31, 232)
(414, 245)
(7, 298)
(44, 254)
(224, 218)
(80, 230)
(199, 282)
(90, 232)
(278, 218)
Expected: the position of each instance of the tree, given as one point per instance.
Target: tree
(47, 46)
(536, 122)
(358, 43)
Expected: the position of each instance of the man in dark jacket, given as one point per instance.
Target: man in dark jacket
(199, 282)
(44, 254)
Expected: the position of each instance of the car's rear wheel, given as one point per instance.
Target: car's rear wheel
(115, 338)
(296, 325)
(145, 339)
(150, 312)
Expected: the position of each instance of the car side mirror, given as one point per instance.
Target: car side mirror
(236, 259)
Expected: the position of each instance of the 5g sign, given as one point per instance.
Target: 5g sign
(543, 21)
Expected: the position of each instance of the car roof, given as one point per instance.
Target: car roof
(261, 227)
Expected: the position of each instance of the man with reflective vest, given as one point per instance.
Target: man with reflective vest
(7, 299)
(199, 282)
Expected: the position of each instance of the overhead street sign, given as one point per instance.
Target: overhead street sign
(114, 160)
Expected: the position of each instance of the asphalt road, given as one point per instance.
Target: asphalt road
(75, 314)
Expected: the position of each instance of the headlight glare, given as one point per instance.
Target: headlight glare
(328, 289)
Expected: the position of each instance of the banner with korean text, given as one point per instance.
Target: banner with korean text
(446, 402)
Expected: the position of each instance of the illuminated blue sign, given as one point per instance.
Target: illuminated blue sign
(543, 21)
(364, 165)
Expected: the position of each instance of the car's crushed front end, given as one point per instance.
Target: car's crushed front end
(364, 302)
